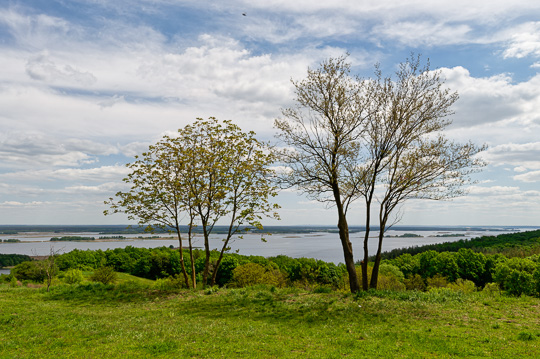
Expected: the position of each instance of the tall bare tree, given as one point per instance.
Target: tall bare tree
(377, 139)
(408, 155)
(323, 134)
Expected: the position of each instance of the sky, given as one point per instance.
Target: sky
(85, 85)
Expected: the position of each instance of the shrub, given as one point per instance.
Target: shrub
(462, 285)
(437, 281)
(517, 276)
(390, 282)
(73, 276)
(251, 274)
(30, 270)
(170, 283)
(491, 288)
(105, 275)
(248, 274)
(415, 282)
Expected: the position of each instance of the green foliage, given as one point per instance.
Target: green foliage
(73, 276)
(105, 275)
(71, 238)
(252, 273)
(81, 259)
(210, 171)
(437, 281)
(415, 282)
(471, 265)
(9, 260)
(169, 284)
(517, 276)
(520, 244)
(462, 285)
(30, 270)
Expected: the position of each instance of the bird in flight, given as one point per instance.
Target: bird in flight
(244, 14)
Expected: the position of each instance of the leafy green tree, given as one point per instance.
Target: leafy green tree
(209, 172)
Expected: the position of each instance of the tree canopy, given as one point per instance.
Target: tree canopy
(209, 172)
(378, 139)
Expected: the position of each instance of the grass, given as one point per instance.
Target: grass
(131, 320)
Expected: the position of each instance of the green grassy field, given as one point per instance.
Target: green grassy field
(129, 321)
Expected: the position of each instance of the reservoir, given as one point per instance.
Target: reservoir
(319, 245)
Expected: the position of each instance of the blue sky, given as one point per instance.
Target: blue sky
(87, 84)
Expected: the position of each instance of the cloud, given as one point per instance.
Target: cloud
(16, 204)
(523, 157)
(42, 68)
(40, 150)
(533, 176)
(96, 174)
(36, 31)
(523, 41)
(414, 33)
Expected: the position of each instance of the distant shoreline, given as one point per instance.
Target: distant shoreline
(105, 230)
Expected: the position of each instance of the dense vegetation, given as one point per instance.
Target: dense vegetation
(510, 244)
(8, 260)
(71, 238)
(465, 268)
(433, 304)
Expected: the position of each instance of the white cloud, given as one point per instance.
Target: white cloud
(414, 33)
(9, 204)
(96, 174)
(523, 157)
(533, 176)
(524, 41)
(42, 68)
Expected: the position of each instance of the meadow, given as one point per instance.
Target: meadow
(131, 319)
(133, 303)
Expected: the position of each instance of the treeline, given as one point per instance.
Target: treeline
(466, 269)
(520, 244)
(436, 269)
(9, 260)
(164, 262)
(71, 238)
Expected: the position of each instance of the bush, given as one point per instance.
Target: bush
(462, 285)
(517, 276)
(390, 282)
(415, 282)
(491, 288)
(437, 281)
(170, 283)
(252, 273)
(73, 276)
(30, 270)
(105, 275)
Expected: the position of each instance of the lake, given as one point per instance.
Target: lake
(320, 245)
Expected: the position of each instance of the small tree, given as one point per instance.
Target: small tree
(210, 172)
(49, 267)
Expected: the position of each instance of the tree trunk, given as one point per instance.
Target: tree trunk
(193, 274)
(383, 218)
(207, 254)
(365, 279)
(377, 261)
(181, 250)
(346, 243)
